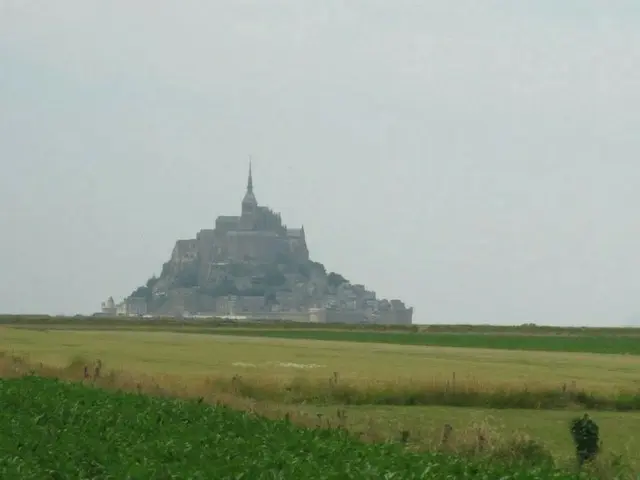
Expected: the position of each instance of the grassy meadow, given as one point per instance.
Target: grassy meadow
(380, 391)
(610, 344)
(197, 356)
(612, 340)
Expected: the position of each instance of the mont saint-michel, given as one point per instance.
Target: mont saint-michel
(253, 266)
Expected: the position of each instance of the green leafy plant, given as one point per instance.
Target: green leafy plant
(53, 429)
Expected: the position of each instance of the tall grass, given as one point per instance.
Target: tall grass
(334, 391)
(443, 393)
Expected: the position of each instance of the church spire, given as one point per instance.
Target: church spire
(249, 203)
(250, 179)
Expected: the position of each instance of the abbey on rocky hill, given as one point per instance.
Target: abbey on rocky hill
(252, 265)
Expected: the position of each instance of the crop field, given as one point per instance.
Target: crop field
(282, 360)
(382, 391)
(621, 341)
(163, 323)
(625, 345)
(56, 430)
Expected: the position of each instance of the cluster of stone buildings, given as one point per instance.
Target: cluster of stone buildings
(229, 271)
(130, 307)
(349, 304)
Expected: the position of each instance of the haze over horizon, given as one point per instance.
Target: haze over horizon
(479, 161)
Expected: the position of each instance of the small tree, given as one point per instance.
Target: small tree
(586, 437)
(335, 279)
(317, 266)
(142, 292)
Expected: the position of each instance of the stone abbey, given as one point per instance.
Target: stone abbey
(256, 236)
(253, 266)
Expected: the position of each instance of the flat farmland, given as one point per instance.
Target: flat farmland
(621, 341)
(195, 355)
(293, 376)
(552, 342)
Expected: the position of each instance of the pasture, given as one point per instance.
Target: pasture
(621, 341)
(551, 342)
(292, 377)
(192, 355)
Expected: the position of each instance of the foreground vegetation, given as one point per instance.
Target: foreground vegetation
(333, 392)
(58, 430)
(503, 428)
(509, 437)
(371, 390)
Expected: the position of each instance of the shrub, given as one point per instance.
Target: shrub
(586, 437)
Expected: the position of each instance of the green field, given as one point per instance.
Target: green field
(56, 430)
(363, 387)
(622, 345)
(549, 428)
(621, 341)
(208, 323)
(192, 355)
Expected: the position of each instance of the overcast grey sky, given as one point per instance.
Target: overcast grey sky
(478, 159)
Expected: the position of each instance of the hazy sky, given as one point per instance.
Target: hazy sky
(478, 159)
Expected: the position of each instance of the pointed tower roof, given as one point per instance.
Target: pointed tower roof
(249, 198)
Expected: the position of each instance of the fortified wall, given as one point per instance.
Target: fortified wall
(326, 315)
